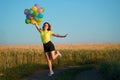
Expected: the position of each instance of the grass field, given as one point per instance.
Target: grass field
(17, 61)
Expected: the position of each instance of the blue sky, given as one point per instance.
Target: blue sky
(86, 21)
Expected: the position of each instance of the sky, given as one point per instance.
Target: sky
(85, 21)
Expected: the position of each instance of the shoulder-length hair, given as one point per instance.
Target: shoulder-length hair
(49, 26)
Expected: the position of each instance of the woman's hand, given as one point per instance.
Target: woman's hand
(65, 35)
(35, 24)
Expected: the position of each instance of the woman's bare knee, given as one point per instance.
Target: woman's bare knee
(54, 55)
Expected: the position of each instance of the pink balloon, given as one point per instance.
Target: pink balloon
(40, 10)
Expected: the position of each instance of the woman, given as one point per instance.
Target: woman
(49, 48)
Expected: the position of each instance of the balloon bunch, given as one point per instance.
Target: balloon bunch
(34, 14)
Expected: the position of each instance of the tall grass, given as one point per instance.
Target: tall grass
(107, 61)
(14, 57)
(22, 61)
(16, 63)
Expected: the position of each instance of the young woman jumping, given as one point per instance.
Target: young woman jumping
(48, 46)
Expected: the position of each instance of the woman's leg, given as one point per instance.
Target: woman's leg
(47, 54)
(54, 55)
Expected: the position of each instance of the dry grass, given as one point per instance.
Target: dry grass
(88, 46)
(66, 46)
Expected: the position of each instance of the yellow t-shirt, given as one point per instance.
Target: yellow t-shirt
(45, 35)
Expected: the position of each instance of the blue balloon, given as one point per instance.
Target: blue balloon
(27, 16)
(40, 16)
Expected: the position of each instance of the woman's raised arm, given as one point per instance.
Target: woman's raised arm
(61, 36)
(37, 26)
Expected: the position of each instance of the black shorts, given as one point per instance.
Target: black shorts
(48, 47)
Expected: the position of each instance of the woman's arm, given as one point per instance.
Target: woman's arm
(61, 36)
(37, 26)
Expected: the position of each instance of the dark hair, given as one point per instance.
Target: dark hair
(49, 26)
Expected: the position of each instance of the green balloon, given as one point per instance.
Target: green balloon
(35, 13)
(27, 21)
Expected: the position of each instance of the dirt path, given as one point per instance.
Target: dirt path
(89, 75)
(85, 75)
(43, 74)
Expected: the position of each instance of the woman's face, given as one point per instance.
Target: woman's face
(46, 26)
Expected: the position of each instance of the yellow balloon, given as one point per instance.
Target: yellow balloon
(39, 23)
(34, 8)
(32, 21)
(39, 20)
